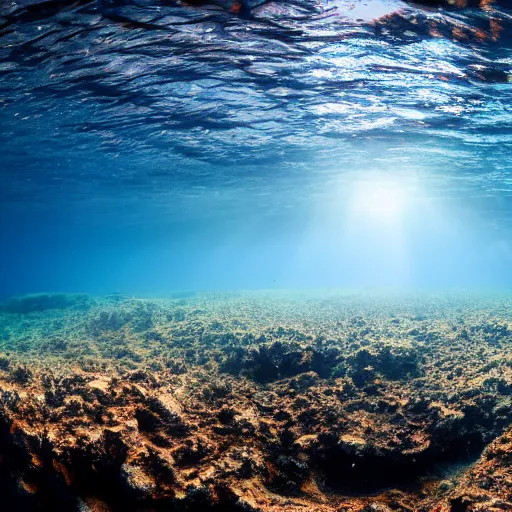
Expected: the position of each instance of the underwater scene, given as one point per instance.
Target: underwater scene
(256, 255)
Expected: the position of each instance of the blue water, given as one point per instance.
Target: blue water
(150, 146)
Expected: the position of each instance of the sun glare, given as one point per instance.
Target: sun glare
(379, 199)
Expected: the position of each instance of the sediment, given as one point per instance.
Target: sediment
(256, 402)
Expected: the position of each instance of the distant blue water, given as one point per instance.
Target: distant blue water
(148, 146)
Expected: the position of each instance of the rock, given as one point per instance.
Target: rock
(137, 482)
(101, 385)
(166, 405)
(39, 302)
(352, 445)
(377, 507)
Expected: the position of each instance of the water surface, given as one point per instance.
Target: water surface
(151, 145)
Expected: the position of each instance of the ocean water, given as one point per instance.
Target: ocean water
(150, 146)
(255, 255)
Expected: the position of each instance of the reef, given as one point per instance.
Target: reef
(328, 402)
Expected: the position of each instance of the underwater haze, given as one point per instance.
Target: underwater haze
(149, 146)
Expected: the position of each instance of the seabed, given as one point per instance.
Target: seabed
(257, 401)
